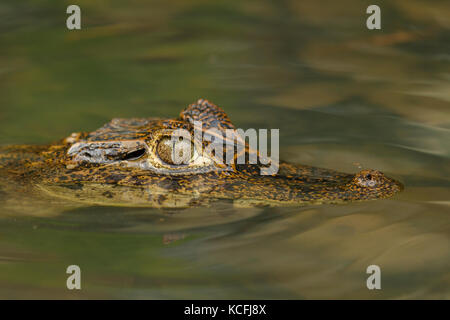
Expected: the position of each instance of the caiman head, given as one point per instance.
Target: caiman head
(131, 162)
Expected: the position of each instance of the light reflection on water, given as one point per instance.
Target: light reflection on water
(343, 98)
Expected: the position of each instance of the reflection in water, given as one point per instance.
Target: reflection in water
(310, 252)
(343, 98)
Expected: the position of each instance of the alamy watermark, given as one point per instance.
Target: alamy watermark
(374, 280)
(74, 280)
(73, 21)
(374, 20)
(228, 146)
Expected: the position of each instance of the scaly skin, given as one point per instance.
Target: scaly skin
(119, 164)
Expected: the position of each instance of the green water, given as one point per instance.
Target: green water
(342, 96)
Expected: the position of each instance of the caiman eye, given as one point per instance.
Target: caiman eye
(175, 150)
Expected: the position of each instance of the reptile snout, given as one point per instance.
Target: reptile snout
(376, 180)
(369, 178)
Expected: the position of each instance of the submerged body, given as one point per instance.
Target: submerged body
(126, 163)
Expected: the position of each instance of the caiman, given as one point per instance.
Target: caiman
(127, 163)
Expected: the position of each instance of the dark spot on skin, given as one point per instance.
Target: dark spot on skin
(195, 202)
(161, 199)
(108, 194)
(76, 186)
(114, 178)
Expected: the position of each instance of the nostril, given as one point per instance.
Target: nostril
(367, 178)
